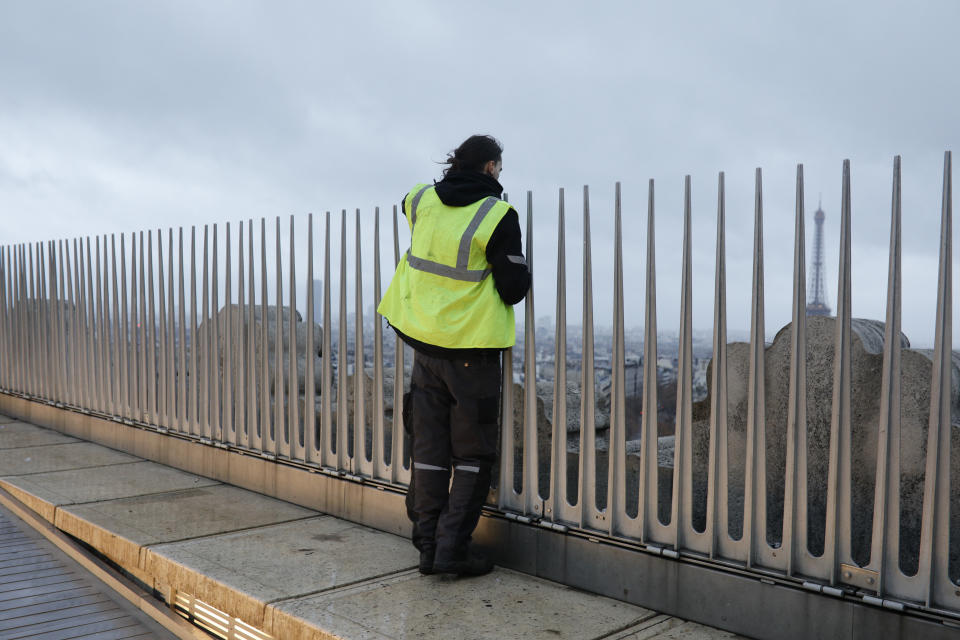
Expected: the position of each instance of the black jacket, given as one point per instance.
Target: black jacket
(504, 250)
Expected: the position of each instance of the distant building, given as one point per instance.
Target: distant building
(817, 287)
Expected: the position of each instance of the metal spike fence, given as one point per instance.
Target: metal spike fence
(119, 334)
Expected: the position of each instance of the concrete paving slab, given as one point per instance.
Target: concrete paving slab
(242, 572)
(78, 455)
(44, 492)
(5, 418)
(502, 604)
(123, 527)
(14, 435)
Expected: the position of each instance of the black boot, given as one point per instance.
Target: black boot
(426, 561)
(469, 564)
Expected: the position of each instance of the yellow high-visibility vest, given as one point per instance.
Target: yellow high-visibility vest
(442, 292)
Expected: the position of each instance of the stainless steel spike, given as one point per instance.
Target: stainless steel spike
(837, 529)
(293, 385)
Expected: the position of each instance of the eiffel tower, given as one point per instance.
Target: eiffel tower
(817, 288)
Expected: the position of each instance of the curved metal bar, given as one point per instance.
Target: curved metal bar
(755, 473)
(140, 328)
(100, 359)
(129, 329)
(281, 436)
(182, 409)
(29, 323)
(311, 441)
(18, 341)
(795, 484)
(344, 458)
(76, 335)
(214, 353)
(651, 528)
(181, 370)
(935, 521)
(195, 342)
(717, 461)
(361, 463)
(64, 320)
(837, 533)
(253, 420)
(242, 390)
(681, 519)
(381, 467)
(294, 433)
(39, 323)
(558, 508)
(163, 400)
(119, 398)
(589, 516)
(129, 333)
(135, 352)
(328, 456)
(618, 521)
(255, 412)
(231, 344)
(56, 292)
(88, 354)
(150, 328)
(532, 502)
(264, 441)
(885, 540)
(203, 342)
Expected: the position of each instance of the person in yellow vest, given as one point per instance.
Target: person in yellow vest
(451, 299)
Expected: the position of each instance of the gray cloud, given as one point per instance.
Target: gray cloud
(117, 116)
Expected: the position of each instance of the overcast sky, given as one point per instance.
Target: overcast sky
(121, 116)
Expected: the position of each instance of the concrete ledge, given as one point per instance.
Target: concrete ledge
(244, 571)
(93, 484)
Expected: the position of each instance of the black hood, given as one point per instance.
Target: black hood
(460, 188)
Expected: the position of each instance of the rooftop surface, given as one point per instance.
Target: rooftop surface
(286, 571)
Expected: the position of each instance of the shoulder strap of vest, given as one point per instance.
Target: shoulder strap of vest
(413, 205)
(463, 253)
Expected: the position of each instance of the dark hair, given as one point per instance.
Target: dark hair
(474, 154)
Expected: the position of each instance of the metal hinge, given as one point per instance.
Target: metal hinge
(514, 516)
(886, 604)
(822, 588)
(660, 551)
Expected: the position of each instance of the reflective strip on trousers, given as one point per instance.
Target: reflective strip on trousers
(423, 466)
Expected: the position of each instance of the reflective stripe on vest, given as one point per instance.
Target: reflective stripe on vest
(413, 206)
(460, 272)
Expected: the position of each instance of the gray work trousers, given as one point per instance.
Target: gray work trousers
(452, 414)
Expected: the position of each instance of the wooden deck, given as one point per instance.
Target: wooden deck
(44, 595)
